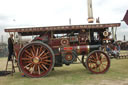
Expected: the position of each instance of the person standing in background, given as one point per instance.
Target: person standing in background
(10, 47)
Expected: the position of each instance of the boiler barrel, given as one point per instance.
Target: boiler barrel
(85, 49)
(82, 49)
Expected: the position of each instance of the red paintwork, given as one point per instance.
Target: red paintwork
(17, 48)
(38, 38)
(68, 48)
(55, 42)
(79, 49)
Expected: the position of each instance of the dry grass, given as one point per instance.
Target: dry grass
(74, 74)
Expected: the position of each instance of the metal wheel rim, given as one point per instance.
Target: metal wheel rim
(40, 64)
(97, 64)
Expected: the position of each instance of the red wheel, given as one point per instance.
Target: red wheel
(98, 62)
(36, 59)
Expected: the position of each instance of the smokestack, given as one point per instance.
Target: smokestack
(90, 13)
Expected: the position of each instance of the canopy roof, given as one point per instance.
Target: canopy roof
(36, 30)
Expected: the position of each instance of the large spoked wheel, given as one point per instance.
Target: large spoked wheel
(98, 62)
(36, 59)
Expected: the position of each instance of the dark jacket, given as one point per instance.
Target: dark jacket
(10, 43)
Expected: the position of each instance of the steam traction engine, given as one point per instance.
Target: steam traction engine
(57, 45)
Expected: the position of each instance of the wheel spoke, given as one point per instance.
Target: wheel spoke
(97, 57)
(48, 60)
(40, 49)
(42, 53)
(33, 48)
(45, 54)
(45, 63)
(28, 52)
(32, 69)
(37, 52)
(44, 67)
(103, 60)
(45, 57)
(41, 67)
(94, 67)
(92, 60)
(27, 65)
(102, 66)
(99, 69)
(91, 65)
(92, 56)
(32, 53)
(28, 56)
(27, 61)
(38, 70)
(25, 58)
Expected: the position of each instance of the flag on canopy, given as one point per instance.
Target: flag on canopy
(126, 18)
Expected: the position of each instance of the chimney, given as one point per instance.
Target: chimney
(90, 13)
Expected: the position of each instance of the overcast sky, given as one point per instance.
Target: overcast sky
(28, 13)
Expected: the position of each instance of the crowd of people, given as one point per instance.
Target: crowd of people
(113, 49)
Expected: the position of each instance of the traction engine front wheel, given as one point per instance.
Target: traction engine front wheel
(36, 59)
(98, 62)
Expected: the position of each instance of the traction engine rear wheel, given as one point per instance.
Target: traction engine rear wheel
(98, 62)
(36, 59)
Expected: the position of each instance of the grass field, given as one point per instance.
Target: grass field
(74, 74)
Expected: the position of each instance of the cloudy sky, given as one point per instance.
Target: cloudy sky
(28, 13)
